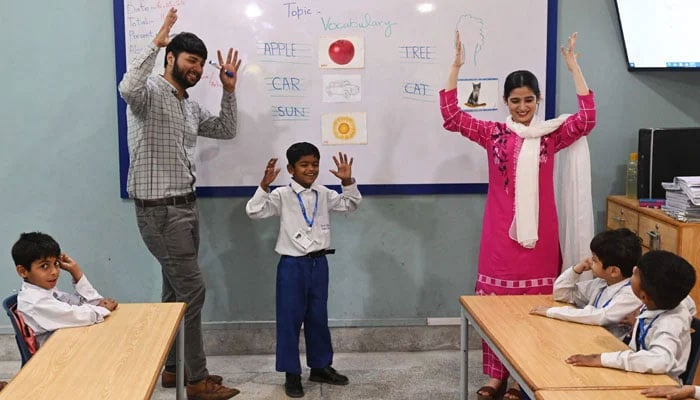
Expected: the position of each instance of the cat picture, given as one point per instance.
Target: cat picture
(473, 100)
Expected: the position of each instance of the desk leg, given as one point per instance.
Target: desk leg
(179, 362)
(513, 372)
(464, 346)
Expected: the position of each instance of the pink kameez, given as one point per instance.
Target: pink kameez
(505, 267)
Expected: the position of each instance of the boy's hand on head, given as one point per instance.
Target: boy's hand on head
(671, 392)
(344, 172)
(540, 310)
(163, 36)
(270, 174)
(585, 265)
(585, 360)
(109, 304)
(69, 265)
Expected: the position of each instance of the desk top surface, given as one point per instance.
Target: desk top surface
(537, 346)
(629, 394)
(119, 358)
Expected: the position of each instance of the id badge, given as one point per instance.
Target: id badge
(302, 239)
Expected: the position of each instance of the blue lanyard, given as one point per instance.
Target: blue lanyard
(642, 331)
(597, 298)
(309, 222)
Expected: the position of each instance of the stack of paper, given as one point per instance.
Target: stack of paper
(683, 198)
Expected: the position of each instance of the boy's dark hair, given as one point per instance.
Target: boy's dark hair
(301, 149)
(518, 79)
(666, 278)
(187, 42)
(34, 246)
(620, 247)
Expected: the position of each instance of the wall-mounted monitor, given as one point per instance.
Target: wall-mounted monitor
(660, 34)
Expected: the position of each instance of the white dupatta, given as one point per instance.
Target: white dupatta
(524, 227)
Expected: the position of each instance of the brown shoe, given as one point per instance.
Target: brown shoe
(207, 389)
(2, 385)
(168, 379)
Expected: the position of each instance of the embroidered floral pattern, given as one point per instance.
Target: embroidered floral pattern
(501, 156)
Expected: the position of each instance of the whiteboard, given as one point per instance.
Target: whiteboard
(378, 102)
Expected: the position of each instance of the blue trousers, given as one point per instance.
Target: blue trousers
(302, 296)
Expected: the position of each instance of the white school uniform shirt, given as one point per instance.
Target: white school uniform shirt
(666, 344)
(283, 201)
(613, 303)
(46, 310)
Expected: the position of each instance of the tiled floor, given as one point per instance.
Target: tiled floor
(432, 375)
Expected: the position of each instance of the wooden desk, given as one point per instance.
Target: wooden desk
(629, 394)
(533, 348)
(120, 358)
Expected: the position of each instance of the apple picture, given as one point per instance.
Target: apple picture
(341, 51)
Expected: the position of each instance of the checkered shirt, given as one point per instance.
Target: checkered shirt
(163, 130)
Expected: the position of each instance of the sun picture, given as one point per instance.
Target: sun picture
(344, 128)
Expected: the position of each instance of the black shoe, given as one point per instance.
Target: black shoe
(292, 385)
(328, 375)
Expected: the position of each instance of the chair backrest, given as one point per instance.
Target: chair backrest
(694, 357)
(24, 335)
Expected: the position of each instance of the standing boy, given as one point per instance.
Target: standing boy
(661, 337)
(608, 298)
(163, 127)
(302, 273)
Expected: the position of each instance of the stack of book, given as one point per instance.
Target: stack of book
(683, 198)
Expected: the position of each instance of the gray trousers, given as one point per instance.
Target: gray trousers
(171, 233)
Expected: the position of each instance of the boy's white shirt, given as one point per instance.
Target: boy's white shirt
(46, 310)
(667, 343)
(283, 201)
(697, 392)
(572, 288)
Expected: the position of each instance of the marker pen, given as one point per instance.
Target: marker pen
(227, 72)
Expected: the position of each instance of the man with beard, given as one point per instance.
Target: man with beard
(163, 128)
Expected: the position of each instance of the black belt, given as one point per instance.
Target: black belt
(167, 201)
(320, 253)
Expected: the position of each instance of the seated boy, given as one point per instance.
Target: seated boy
(661, 337)
(608, 298)
(39, 262)
(302, 273)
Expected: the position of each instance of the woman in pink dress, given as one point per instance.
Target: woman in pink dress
(519, 251)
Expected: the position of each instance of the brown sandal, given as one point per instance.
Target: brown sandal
(490, 393)
(513, 394)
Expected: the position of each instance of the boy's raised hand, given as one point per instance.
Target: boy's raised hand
(344, 172)
(69, 265)
(163, 36)
(270, 174)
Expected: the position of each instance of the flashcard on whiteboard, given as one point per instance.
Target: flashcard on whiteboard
(342, 88)
(344, 128)
(341, 52)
